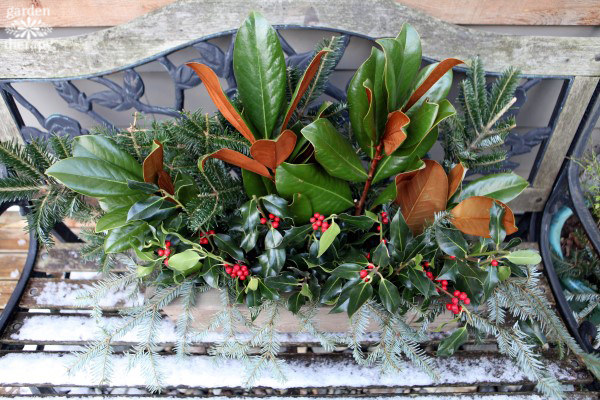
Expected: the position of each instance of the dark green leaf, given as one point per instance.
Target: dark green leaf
(449, 345)
(273, 239)
(392, 50)
(451, 241)
(295, 302)
(362, 222)
(225, 243)
(250, 214)
(359, 296)
(503, 187)
(112, 219)
(389, 295)
(436, 93)
(421, 282)
(249, 240)
(210, 272)
(301, 208)
(332, 288)
(151, 207)
(411, 60)
(358, 102)
(102, 148)
(497, 231)
(334, 152)
(449, 271)
(284, 282)
(327, 238)
(400, 234)
(277, 206)
(490, 282)
(260, 72)
(347, 271)
(266, 291)
(148, 188)
(381, 256)
(295, 235)
(184, 261)
(121, 239)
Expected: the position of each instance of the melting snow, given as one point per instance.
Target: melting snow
(65, 294)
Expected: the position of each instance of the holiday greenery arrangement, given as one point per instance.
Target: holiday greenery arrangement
(284, 202)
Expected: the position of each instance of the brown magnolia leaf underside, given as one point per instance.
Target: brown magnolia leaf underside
(394, 134)
(239, 160)
(271, 153)
(455, 178)
(153, 164)
(213, 87)
(309, 74)
(472, 216)
(423, 195)
(431, 79)
(165, 183)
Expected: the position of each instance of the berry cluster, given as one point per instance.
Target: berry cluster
(363, 273)
(237, 271)
(274, 220)
(458, 297)
(384, 220)
(431, 277)
(166, 252)
(203, 236)
(318, 221)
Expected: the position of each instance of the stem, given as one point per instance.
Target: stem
(363, 198)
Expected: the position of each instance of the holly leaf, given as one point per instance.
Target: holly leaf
(358, 296)
(328, 237)
(225, 243)
(524, 257)
(389, 295)
(451, 241)
(449, 345)
(295, 302)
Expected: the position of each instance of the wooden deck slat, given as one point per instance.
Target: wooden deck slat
(11, 265)
(302, 371)
(469, 395)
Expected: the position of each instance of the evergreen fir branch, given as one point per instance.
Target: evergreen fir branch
(15, 157)
(359, 322)
(61, 145)
(20, 188)
(38, 152)
(189, 291)
(307, 324)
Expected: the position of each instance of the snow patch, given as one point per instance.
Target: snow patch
(65, 294)
(15, 273)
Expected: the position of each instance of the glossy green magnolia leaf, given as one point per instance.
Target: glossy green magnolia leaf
(436, 93)
(148, 188)
(411, 60)
(389, 295)
(225, 243)
(276, 206)
(420, 124)
(151, 207)
(121, 239)
(347, 270)
(503, 187)
(108, 204)
(360, 222)
(334, 152)
(497, 231)
(327, 195)
(358, 296)
(115, 218)
(184, 261)
(449, 345)
(92, 177)
(387, 195)
(328, 237)
(256, 185)
(393, 52)
(392, 165)
(295, 302)
(400, 233)
(105, 149)
(331, 289)
(421, 282)
(301, 208)
(451, 241)
(260, 72)
(524, 257)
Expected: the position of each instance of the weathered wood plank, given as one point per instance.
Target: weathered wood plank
(463, 394)
(11, 265)
(8, 128)
(90, 13)
(573, 110)
(184, 21)
(66, 257)
(302, 371)
(6, 289)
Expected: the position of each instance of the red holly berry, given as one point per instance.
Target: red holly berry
(462, 296)
(323, 229)
(243, 278)
(313, 220)
(236, 267)
(271, 216)
(211, 232)
(429, 274)
(315, 227)
(167, 252)
(378, 228)
(204, 241)
(494, 263)
(368, 256)
(370, 266)
(318, 223)
(449, 306)
(456, 293)
(167, 262)
(275, 225)
(366, 279)
(384, 214)
(316, 215)
(161, 252)
(467, 301)
(454, 300)
(444, 283)
(277, 219)
(321, 217)
(452, 257)
(426, 264)
(363, 273)
(263, 220)
(455, 309)
(229, 270)
(385, 220)
(384, 241)
(168, 244)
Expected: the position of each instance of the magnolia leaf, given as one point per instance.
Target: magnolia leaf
(411, 59)
(260, 72)
(213, 87)
(334, 152)
(237, 159)
(472, 216)
(148, 188)
(504, 187)
(123, 238)
(328, 237)
(151, 207)
(301, 208)
(394, 134)
(112, 219)
(102, 148)
(153, 164)
(423, 195)
(309, 73)
(393, 52)
(165, 183)
(455, 178)
(271, 153)
(449, 345)
(524, 257)
(438, 71)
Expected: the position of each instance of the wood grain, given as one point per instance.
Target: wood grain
(91, 13)
(179, 23)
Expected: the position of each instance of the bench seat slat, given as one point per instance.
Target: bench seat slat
(431, 396)
(302, 371)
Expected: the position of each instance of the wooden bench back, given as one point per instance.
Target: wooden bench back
(72, 63)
